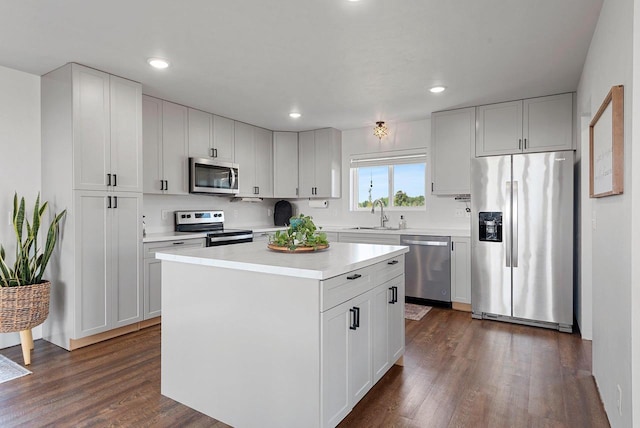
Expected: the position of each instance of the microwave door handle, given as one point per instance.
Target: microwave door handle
(233, 178)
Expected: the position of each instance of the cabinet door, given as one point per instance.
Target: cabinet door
(152, 144)
(245, 155)
(126, 256)
(382, 296)
(548, 123)
(499, 129)
(152, 288)
(453, 134)
(306, 165)
(263, 143)
(335, 364)
(461, 270)
(200, 135)
(395, 325)
(93, 263)
(126, 135)
(223, 138)
(360, 369)
(285, 164)
(91, 130)
(175, 148)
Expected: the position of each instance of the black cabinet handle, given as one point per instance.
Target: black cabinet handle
(115, 180)
(525, 143)
(392, 296)
(354, 276)
(215, 153)
(166, 184)
(178, 243)
(357, 316)
(115, 202)
(108, 201)
(211, 153)
(392, 262)
(352, 324)
(108, 179)
(161, 184)
(395, 294)
(520, 144)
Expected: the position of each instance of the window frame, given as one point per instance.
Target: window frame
(390, 160)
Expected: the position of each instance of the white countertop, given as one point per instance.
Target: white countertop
(170, 236)
(338, 259)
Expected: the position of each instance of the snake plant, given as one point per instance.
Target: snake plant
(31, 260)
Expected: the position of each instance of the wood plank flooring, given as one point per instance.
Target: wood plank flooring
(458, 373)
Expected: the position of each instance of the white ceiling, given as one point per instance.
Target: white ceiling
(341, 64)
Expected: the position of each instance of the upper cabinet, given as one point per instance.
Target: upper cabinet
(533, 125)
(320, 163)
(107, 131)
(285, 164)
(210, 136)
(166, 149)
(253, 152)
(453, 134)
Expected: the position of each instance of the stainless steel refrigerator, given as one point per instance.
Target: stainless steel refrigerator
(522, 239)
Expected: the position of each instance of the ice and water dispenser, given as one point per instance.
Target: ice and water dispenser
(490, 226)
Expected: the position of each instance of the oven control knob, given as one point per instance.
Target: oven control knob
(184, 216)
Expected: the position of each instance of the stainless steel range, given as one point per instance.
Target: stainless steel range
(213, 223)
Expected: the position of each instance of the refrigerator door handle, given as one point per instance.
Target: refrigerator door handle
(514, 225)
(509, 230)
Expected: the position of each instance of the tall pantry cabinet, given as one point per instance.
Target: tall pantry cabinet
(92, 166)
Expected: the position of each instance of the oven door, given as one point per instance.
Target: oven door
(213, 177)
(228, 238)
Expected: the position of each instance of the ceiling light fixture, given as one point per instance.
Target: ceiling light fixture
(437, 89)
(380, 130)
(158, 63)
(294, 115)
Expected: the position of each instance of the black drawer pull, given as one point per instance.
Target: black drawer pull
(354, 276)
(393, 295)
(178, 243)
(352, 325)
(393, 262)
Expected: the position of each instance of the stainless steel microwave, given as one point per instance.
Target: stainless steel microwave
(213, 177)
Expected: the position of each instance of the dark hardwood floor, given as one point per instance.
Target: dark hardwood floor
(458, 373)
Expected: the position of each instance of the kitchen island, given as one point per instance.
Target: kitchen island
(257, 338)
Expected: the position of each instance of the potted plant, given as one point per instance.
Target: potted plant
(24, 295)
(302, 235)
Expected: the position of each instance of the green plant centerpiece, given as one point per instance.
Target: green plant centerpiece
(302, 235)
(24, 294)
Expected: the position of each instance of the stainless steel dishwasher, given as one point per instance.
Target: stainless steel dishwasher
(427, 268)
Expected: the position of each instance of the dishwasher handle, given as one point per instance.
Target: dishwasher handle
(425, 243)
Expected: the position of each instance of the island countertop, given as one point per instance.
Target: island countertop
(336, 260)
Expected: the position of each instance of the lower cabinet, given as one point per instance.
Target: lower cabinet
(361, 339)
(152, 274)
(461, 272)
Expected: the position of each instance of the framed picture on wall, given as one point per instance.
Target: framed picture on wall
(606, 146)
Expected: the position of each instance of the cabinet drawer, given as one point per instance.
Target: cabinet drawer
(150, 249)
(339, 289)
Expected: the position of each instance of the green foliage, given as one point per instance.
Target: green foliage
(31, 261)
(302, 232)
(368, 204)
(401, 199)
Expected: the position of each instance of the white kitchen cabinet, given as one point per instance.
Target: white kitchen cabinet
(253, 152)
(108, 256)
(98, 269)
(210, 136)
(285, 164)
(107, 130)
(320, 165)
(165, 146)
(152, 275)
(388, 305)
(453, 135)
(460, 270)
(533, 125)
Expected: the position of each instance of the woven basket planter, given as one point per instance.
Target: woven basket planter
(24, 307)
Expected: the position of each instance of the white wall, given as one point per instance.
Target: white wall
(440, 212)
(609, 62)
(20, 156)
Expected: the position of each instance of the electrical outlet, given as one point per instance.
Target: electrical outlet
(164, 214)
(467, 214)
(9, 217)
(269, 212)
(619, 403)
(459, 212)
(235, 213)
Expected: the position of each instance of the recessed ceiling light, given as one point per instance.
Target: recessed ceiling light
(437, 89)
(158, 63)
(294, 115)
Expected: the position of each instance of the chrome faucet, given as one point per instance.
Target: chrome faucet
(383, 218)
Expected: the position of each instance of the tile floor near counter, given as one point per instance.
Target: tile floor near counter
(458, 372)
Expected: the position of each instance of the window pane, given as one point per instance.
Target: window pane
(373, 183)
(408, 180)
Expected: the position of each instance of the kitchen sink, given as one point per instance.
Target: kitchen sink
(373, 228)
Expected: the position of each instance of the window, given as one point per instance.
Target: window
(396, 179)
